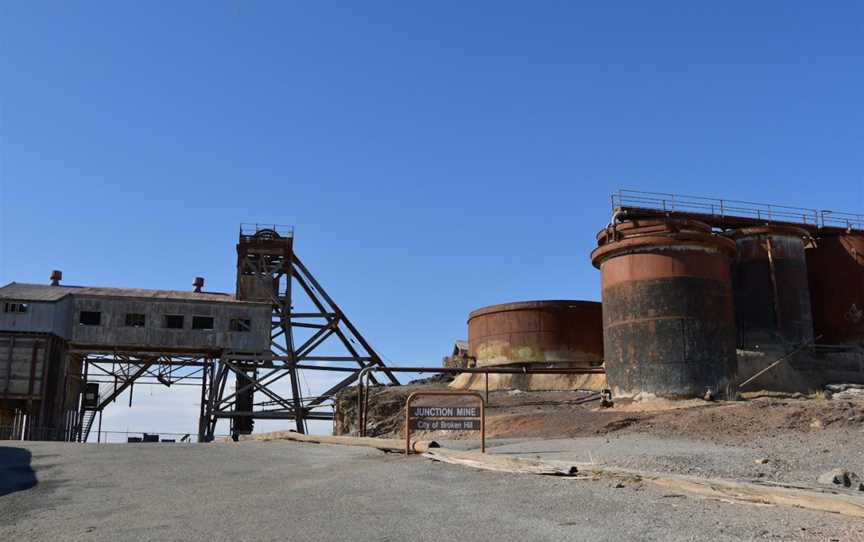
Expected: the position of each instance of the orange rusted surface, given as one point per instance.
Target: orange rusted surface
(652, 265)
(558, 331)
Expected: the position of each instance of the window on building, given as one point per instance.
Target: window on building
(90, 318)
(173, 321)
(202, 322)
(240, 324)
(135, 319)
(16, 307)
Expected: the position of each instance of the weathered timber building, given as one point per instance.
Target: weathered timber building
(47, 333)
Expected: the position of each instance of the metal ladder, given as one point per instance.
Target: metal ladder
(87, 417)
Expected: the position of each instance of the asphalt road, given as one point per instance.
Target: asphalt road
(291, 491)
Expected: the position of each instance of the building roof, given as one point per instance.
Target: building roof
(44, 292)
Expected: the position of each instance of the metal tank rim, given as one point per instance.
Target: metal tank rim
(661, 243)
(536, 304)
(643, 226)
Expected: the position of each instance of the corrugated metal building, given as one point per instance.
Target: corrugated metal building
(41, 384)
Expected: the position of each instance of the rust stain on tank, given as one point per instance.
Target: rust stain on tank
(557, 331)
(668, 321)
(772, 296)
(836, 275)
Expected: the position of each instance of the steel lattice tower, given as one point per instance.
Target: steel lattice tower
(267, 270)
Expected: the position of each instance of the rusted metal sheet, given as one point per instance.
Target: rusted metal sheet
(557, 331)
(668, 321)
(769, 277)
(836, 274)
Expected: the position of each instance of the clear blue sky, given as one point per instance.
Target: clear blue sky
(433, 157)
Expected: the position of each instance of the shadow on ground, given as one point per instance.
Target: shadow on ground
(15, 471)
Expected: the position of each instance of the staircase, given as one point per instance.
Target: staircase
(87, 417)
(102, 398)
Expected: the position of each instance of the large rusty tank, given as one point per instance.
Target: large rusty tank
(560, 332)
(668, 320)
(836, 272)
(769, 278)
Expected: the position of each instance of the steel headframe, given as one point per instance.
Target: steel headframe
(265, 256)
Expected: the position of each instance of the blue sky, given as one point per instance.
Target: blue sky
(433, 157)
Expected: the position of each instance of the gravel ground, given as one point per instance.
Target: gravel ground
(291, 491)
(791, 457)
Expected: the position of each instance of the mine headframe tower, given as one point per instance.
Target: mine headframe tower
(267, 269)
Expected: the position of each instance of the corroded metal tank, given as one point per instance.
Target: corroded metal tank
(668, 320)
(769, 278)
(836, 272)
(556, 332)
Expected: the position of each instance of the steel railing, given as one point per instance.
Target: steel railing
(848, 221)
(720, 208)
(248, 229)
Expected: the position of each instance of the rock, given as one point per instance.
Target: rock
(606, 399)
(844, 387)
(817, 424)
(760, 461)
(841, 477)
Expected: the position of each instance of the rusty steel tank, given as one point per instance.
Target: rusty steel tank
(551, 332)
(769, 278)
(836, 273)
(668, 320)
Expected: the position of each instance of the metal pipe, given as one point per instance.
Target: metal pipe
(780, 359)
(487, 387)
(361, 393)
(363, 390)
(496, 370)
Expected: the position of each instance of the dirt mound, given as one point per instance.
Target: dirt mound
(547, 414)
(764, 416)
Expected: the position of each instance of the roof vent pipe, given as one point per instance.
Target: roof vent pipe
(198, 283)
(56, 277)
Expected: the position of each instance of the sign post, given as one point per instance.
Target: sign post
(445, 418)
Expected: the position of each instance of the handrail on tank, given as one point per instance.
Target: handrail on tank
(850, 221)
(668, 202)
(723, 208)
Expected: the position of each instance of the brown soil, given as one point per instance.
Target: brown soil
(571, 414)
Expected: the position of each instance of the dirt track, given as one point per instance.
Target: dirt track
(795, 438)
(290, 491)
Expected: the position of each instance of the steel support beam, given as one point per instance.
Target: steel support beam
(265, 256)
